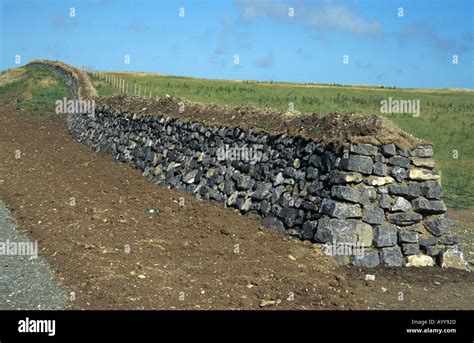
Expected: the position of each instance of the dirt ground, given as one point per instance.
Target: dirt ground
(88, 213)
(463, 227)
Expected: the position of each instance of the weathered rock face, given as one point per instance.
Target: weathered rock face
(419, 261)
(383, 199)
(453, 258)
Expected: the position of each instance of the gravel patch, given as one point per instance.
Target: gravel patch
(26, 281)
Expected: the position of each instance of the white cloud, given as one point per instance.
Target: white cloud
(323, 16)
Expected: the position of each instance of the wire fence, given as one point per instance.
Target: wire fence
(120, 85)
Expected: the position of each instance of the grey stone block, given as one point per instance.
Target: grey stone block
(276, 194)
(391, 256)
(312, 173)
(340, 210)
(410, 191)
(427, 241)
(425, 206)
(361, 164)
(263, 191)
(384, 201)
(399, 161)
(431, 189)
(404, 218)
(438, 225)
(369, 259)
(422, 151)
(373, 215)
(434, 250)
(399, 173)
(448, 239)
(407, 236)
(273, 223)
(309, 229)
(385, 235)
(355, 195)
(331, 230)
(244, 182)
(363, 149)
(380, 169)
(389, 150)
(401, 204)
(410, 249)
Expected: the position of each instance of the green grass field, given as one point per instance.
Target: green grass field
(446, 116)
(36, 90)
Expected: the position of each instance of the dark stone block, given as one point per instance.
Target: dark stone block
(399, 161)
(289, 216)
(340, 210)
(273, 223)
(385, 235)
(312, 173)
(427, 240)
(263, 191)
(407, 236)
(410, 191)
(380, 169)
(389, 150)
(404, 218)
(391, 257)
(423, 151)
(448, 239)
(425, 206)
(356, 195)
(431, 189)
(362, 164)
(363, 149)
(410, 249)
(315, 188)
(438, 225)
(369, 259)
(309, 230)
(373, 215)
(399, 173)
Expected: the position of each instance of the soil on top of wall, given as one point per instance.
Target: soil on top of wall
(335, 128)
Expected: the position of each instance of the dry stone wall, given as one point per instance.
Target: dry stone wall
(386, 199)
(383, 199)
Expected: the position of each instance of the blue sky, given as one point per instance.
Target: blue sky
(413, 50)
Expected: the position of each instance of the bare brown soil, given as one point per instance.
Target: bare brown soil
(200, 256)
(464, 227)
